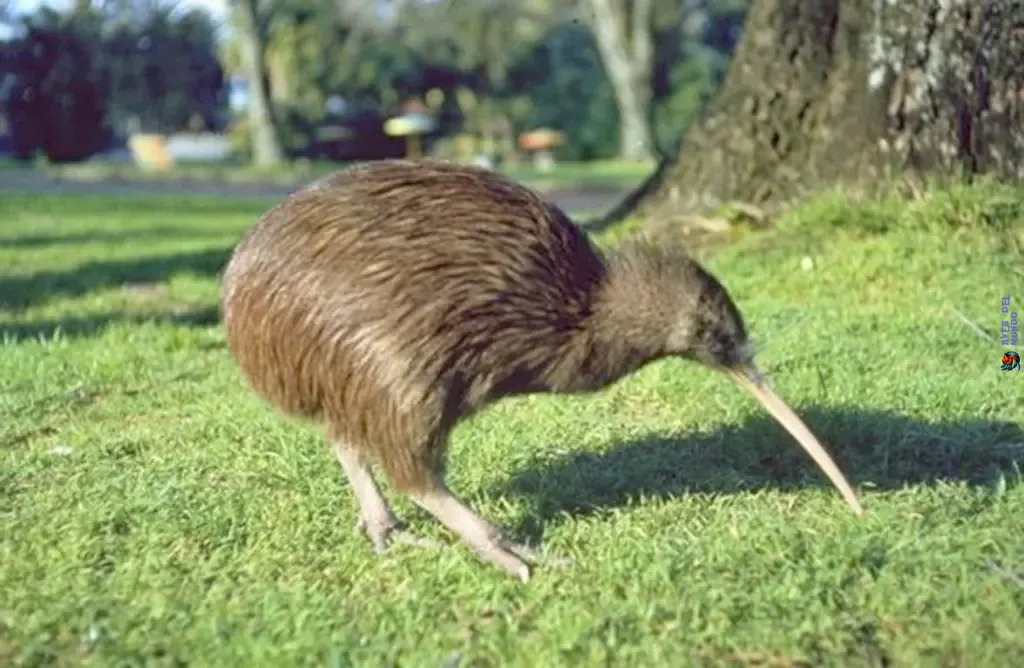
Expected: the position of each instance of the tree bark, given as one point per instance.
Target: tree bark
(855, 93)
(624, 33)
(266, 143)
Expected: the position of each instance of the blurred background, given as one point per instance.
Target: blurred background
(102, 86)
(853, 170)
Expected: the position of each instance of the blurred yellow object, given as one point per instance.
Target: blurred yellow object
(411, 126)
(435, 98)
(150, 152)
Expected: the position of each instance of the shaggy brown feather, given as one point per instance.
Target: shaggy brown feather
(390, 300)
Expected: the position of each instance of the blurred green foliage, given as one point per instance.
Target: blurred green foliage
(526, 63)
(74, 76)
(56, 105)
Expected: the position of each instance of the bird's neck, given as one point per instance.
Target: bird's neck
(626, 329)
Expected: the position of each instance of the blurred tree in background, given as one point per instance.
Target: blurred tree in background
(857, 93)
(56, 102)
(490, 69)
(501, 67)
(563, 79)
(817, 93)
(624, 32)
(162, 69)
(251, 27)
(76, 77)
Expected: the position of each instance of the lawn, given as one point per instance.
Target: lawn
(153, 510)
(596, 174)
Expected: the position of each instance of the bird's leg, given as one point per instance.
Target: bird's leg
(482, 537)
(376, 518)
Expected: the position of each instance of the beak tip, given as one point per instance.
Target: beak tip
(853, 502)
(753, 381)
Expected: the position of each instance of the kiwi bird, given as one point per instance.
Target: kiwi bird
(392, 299)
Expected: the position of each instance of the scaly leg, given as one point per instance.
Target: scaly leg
(376, 518)
(482, 537)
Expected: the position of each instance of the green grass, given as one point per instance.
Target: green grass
(598, 174)
(153, 510)
(594, 174)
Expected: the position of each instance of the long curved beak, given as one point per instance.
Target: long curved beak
(751, 380)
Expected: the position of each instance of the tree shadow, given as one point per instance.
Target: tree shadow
(880, 448)
(139, 200)
(19, 292)
(26, 241)
(74, 327)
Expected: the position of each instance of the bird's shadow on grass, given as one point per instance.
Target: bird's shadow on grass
(880, 449)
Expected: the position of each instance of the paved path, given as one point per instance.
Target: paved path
(581, 200)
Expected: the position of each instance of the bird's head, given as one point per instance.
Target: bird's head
(686, 312)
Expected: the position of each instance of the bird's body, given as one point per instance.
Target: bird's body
(391, 300)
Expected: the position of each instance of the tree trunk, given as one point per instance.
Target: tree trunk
(624, 33)
(266, 144)
(856, 92)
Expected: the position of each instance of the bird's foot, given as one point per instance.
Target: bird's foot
(482, 537)
(501, 554)
(516, 559)
(382, 532)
